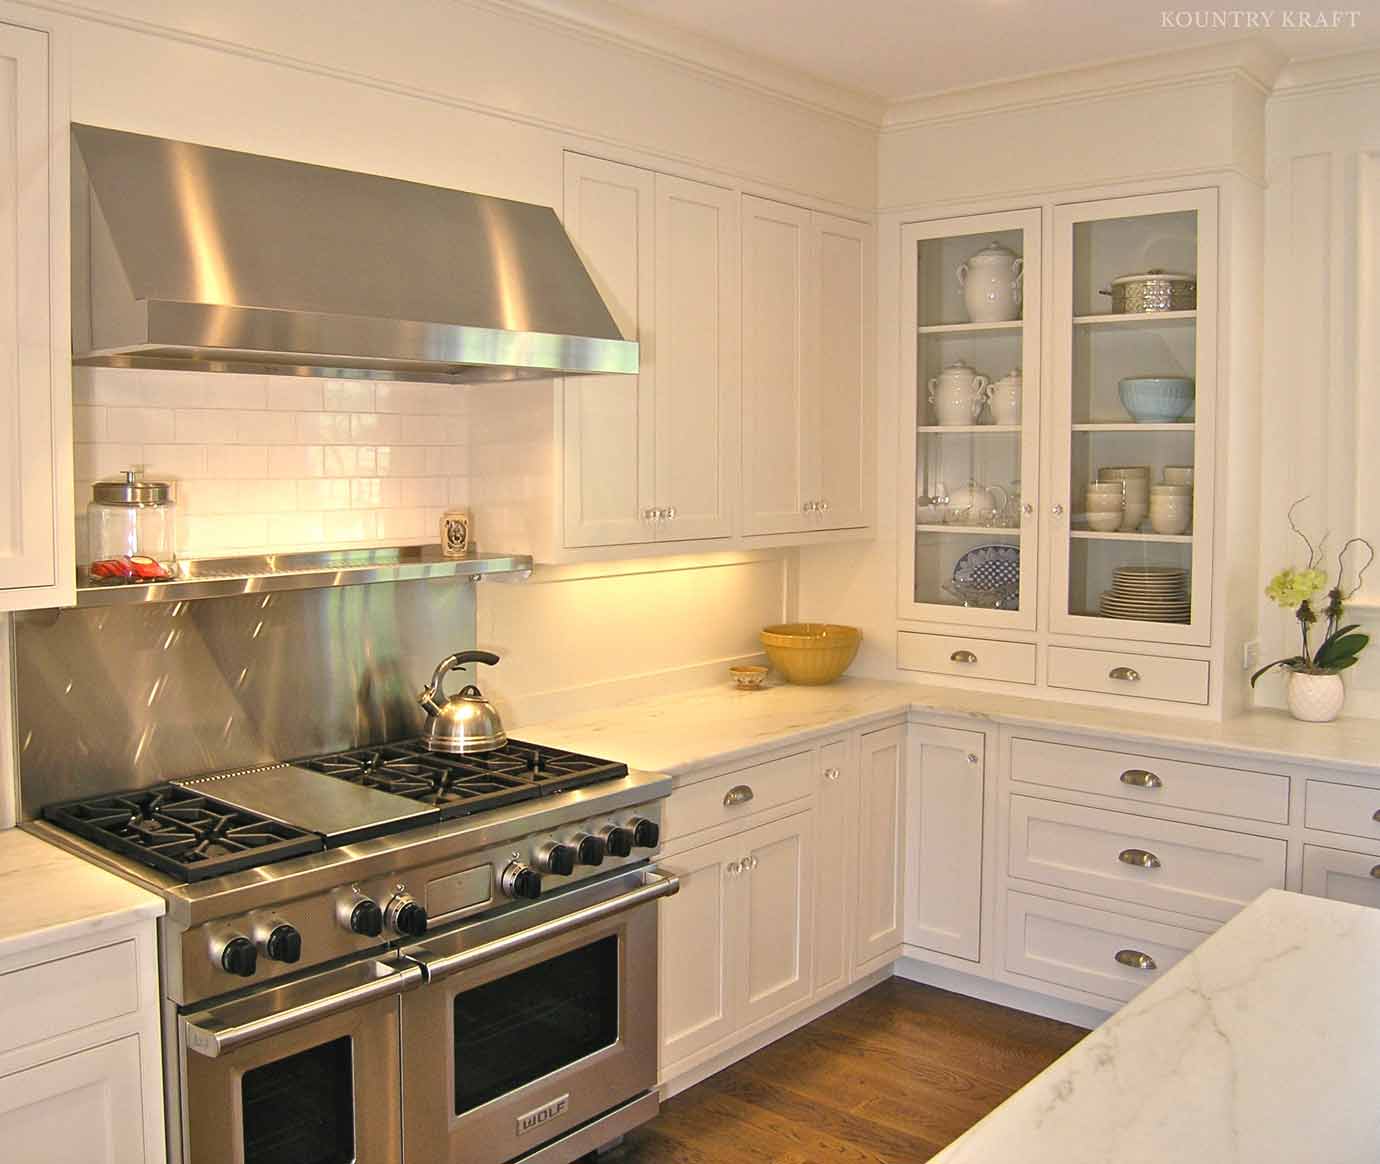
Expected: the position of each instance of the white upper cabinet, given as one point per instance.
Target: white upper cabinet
(807, 399)
(650, 457)
(36, 543)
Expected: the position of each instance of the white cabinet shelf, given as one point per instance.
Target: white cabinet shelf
(983, 530)
(1134, 426)
(1133, 318)
(1093, 535)
(968, 428)
(1011, 328)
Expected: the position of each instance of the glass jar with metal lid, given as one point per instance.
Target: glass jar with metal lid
(131, 520)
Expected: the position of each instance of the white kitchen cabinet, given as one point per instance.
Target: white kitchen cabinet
(806, 414)
(878, 919)
(944, 829)
(36, 545)
(775, 915)
(651, 457)
(835, 859)
(83, 1106)
(1341, 875)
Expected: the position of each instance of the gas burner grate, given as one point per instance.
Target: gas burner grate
(462, 785)
(183, 833)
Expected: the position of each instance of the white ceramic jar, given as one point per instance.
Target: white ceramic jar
(991, 283)
(1004, 399)
(1315, 698)
(958, 394)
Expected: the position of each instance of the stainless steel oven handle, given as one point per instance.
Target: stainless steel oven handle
(206, 1036)
(656, 886)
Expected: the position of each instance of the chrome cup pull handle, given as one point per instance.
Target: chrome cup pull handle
(1141, 858)
(1140, 778)
(1125, 674)
(738, 794)
(963, 657)
(1136, 959)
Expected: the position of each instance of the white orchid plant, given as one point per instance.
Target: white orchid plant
(1294, 589)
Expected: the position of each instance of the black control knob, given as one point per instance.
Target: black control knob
(556, 859)
(646, 833)
(518, 880)
(618, 841)
(406, 916)
(284, 943)
(366, 918)
(589, 850)
(239, 957)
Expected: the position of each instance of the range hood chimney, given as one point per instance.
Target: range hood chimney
(190, 257)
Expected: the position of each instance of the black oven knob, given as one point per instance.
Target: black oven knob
(589, 850)
(239, 957)
(556, 859)
(284, 943)
(406, 916)
(366, 918)
(618, 840)
(646, 833)
(518, 880)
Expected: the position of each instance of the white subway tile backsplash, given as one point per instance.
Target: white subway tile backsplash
(270, 462)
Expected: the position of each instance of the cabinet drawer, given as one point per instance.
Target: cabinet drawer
(1153, 780)
(1342, 808)
(966, 657)
(1342, 876)
(1204, 872)
(1094, 950)
(52, 998)
(1127, 673)
(740, 794)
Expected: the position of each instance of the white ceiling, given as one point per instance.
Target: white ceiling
(894, 49)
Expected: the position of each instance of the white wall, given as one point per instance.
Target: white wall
(1320, 400)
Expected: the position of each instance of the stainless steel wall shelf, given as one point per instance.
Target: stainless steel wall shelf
(266, 573)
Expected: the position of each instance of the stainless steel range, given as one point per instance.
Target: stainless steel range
(392, 954)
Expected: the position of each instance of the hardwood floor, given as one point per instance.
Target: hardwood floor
(889, 1078)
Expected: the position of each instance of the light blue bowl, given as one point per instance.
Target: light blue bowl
(1156, 399)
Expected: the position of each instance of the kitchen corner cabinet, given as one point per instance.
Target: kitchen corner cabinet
(807, 399)
(1018, 582)
(37, 552)
(650, 458)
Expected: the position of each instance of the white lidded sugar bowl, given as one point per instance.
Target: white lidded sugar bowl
(991, 283)
(958, 394)
(1004, 399)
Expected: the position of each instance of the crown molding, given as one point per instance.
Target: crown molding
(1253, 61)
(609, 23)
(1311, 75)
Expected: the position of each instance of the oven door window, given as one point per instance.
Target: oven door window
(516, 1029)
(300, 1110)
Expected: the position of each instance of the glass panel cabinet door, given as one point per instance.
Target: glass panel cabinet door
(970, 383)
(1133, 387)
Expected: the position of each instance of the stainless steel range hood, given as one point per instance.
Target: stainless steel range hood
(185, 256)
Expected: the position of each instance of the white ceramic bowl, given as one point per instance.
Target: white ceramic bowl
(1104, 522)
(1123, 472)
(1103, 503)
(1156, 399)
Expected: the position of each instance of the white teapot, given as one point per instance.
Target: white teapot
(958, 394)
(1004, 399)
(991, 283)
(975, 501)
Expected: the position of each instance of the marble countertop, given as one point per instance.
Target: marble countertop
(1259, 1046)
(679, 732)
(78, 898)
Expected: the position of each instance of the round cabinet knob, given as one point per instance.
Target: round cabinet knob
(646, 833)
(406, 916)
(556, 859)
(1057, 510)
(618, 841)
(589, 850)
(366, 918)
(284, 944)
(520, 881)
(239, 957)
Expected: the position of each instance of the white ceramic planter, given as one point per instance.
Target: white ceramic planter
(1315, 698)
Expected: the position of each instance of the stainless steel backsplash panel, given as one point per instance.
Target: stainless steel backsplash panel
(125, 697)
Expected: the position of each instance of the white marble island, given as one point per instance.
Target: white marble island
(1261, 1046)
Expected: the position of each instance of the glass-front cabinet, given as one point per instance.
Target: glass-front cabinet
(1132, 390)
(971, 376)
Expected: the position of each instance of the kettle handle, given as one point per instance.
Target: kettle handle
(433, 694)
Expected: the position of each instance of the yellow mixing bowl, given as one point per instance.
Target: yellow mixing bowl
(811, 653)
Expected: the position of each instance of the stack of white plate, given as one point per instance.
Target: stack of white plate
(1151, 593)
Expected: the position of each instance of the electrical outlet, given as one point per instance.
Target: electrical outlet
(1250, 655)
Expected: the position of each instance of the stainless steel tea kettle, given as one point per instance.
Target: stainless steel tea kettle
(465, 723)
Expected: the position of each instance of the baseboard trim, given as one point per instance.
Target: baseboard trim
(702, 1071)
(1000, 993)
